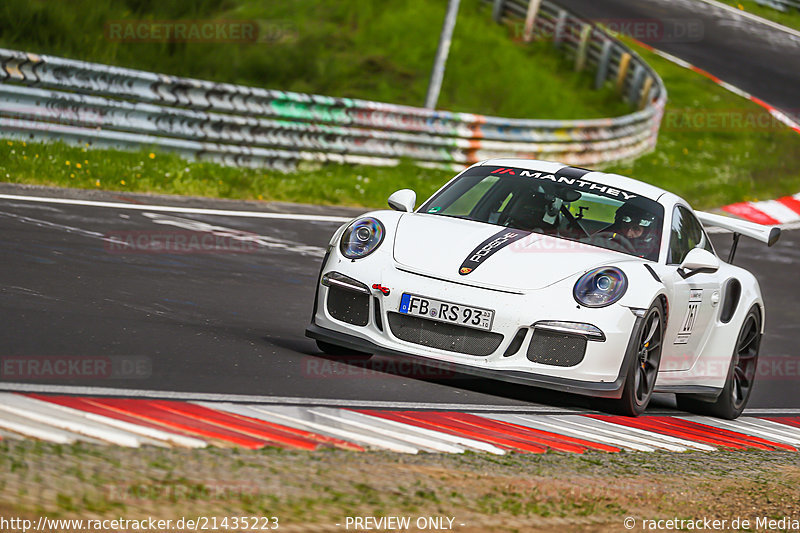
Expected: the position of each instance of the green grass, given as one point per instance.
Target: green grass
(718, 165)
(708, 166)
(790, 18)
(374, 49)
(61, 165)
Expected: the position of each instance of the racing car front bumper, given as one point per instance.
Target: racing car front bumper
(600, 372)
(611, 389)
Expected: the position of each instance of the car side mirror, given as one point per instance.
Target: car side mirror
(697, 261)
(403, 200)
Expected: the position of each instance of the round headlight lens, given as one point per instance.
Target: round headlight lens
(362, 237)
(600, 287)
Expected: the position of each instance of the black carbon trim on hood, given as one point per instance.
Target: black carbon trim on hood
(487, 248)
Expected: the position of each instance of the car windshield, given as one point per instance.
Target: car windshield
(560, 206)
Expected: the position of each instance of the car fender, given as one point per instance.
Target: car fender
(644, 286)
(388, 218)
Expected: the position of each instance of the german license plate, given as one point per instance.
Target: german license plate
(451, 313)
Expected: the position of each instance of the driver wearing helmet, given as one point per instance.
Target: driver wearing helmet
(535, 211)
(638, 226)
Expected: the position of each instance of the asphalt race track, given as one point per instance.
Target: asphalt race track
(754, 57)
(232, 321)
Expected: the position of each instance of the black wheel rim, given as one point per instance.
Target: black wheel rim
(648, 357)
(744, 367)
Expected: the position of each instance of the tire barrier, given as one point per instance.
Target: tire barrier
(47, 98)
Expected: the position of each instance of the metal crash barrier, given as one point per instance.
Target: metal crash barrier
(52, 98)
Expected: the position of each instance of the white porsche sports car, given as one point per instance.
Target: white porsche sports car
(559, 277)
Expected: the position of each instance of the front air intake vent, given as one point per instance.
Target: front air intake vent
(348, 306)
(556, 349)
(444, 336)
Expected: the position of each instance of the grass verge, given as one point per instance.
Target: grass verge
(61, 165)
(790, 18)
(374, 49)
(517, 492)
(715, 148)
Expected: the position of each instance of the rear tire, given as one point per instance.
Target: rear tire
(341, 353)
(741, 374)
(643, 371)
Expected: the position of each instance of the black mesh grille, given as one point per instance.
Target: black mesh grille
(444, 336)
(556, 349)
(348, 306)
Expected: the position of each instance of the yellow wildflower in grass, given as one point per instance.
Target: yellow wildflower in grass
(96, 183)
(72, 175)
(67, 162)
(77, 165)
(122, 182)
(10, 143)
(152, 155)
(36, 156)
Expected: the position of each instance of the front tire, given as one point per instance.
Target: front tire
(741, 374)
(643, 371)
(341, 353)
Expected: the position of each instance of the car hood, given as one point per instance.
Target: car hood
(438, 246)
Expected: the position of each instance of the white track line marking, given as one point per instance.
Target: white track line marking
(753, 17)
(273, 400)
(68, 229)
(45, 413)
(238, 235)
(773, 411)
(176, 209)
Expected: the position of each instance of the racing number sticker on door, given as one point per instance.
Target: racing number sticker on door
(695, 297)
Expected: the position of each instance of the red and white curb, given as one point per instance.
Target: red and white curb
(775, 112)
(784, 210)
(167, 423)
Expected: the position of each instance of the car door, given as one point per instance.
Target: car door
(694, 299)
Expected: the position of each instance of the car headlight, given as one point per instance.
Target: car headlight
(362, 237)
(600, 287)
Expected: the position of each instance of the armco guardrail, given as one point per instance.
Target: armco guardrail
(46, 97)
(780, 5)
